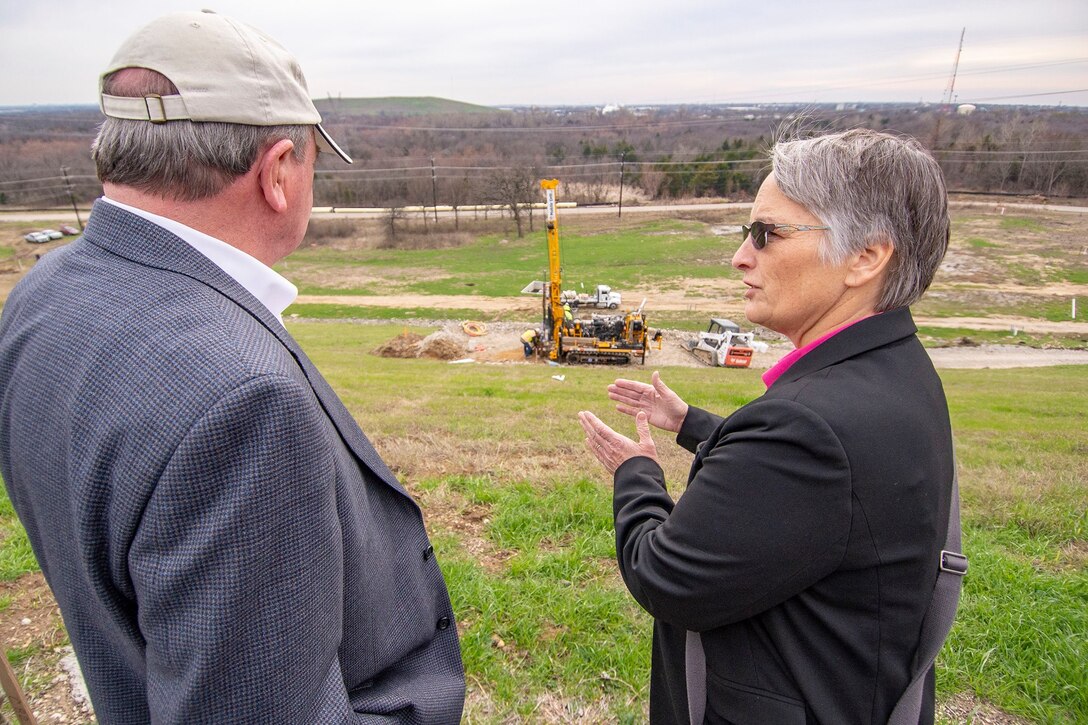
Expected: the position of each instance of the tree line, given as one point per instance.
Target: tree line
(630, 155)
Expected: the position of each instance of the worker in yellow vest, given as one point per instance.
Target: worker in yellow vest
(527, 339)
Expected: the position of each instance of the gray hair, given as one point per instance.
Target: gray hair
(184, 160)
(868, 187)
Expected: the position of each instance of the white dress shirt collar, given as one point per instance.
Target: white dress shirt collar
(261, 281)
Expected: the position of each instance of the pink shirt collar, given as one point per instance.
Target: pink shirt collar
(793, 356)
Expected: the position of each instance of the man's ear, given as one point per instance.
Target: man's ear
(272, 173)
(869, 263)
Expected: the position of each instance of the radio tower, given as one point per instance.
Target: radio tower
(946, 103)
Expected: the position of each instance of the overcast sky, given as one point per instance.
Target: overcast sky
(503, 52)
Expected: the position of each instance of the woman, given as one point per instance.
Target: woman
(805, 547)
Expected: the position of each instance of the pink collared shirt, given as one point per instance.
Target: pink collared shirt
(780, 367)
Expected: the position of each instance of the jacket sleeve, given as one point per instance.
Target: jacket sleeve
(765, 515)
(697, 427)
(238, 566)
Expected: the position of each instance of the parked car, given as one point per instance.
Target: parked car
(68, 230)
(37, 238)
(51, 233)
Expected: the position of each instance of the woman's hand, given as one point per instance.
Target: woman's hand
(663, 408)
(611, 448)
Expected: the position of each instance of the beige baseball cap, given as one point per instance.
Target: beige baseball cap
(224, 71)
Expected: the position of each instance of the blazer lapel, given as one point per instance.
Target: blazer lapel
(143, 242)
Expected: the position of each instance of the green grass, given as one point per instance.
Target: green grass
(949, 336)
(1076, 276)
(16, 556)
(521, 518)
(1011, 223)
(328, 311)
(554, 618)
(521, 515)
(1023, 463)
(982, 303)
(496, 265)
(1000, 263)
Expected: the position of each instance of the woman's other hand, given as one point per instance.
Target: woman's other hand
(663, 408)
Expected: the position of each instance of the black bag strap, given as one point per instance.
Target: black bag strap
(938, 619)
(935, 628)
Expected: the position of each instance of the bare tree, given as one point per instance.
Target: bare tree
(460, 191)
(396, 214)
(513, 187)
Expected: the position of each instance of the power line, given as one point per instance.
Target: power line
(1027, 95)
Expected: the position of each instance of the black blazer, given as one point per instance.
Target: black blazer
(806, 544)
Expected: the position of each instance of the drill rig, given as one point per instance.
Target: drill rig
(601, 338)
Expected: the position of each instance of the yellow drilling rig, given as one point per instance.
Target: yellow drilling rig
(601, 338)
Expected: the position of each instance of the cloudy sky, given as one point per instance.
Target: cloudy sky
(499, 52)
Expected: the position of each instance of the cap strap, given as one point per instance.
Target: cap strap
(154, 108)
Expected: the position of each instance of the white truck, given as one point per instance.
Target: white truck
(602, 298)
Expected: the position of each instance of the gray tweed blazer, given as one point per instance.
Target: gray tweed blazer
(223, 540)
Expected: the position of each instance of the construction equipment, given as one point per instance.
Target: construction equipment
(601, 338)
(723, 345)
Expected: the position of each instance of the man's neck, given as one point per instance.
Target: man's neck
(223, 216)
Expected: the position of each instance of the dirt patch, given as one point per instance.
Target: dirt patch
(442, 345)
(1072, 556)
(32, 627)
(553, 708)
(404, 345)
(965, 708)
(1003, 356)
(449, 511)
(502, 344)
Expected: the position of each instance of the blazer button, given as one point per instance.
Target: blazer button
(428, 553)
(444, 623)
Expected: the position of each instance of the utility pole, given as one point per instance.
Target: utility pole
(623, 158)
(434, 192)
(71, 196)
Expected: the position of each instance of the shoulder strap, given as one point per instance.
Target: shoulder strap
(938, 619)
(695, 677)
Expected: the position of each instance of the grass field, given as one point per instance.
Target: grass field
(998, 266)
(523, 522)
(521, 515)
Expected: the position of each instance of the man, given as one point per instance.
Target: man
(223, 540)
(528, 338)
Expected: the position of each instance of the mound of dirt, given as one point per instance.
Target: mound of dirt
(406, 344)
(441, 345)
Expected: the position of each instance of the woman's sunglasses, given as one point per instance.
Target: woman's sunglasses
(760, 231)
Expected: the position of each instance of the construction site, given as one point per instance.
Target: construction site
(578, 328)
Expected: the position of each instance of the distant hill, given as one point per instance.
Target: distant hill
(398, 106)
